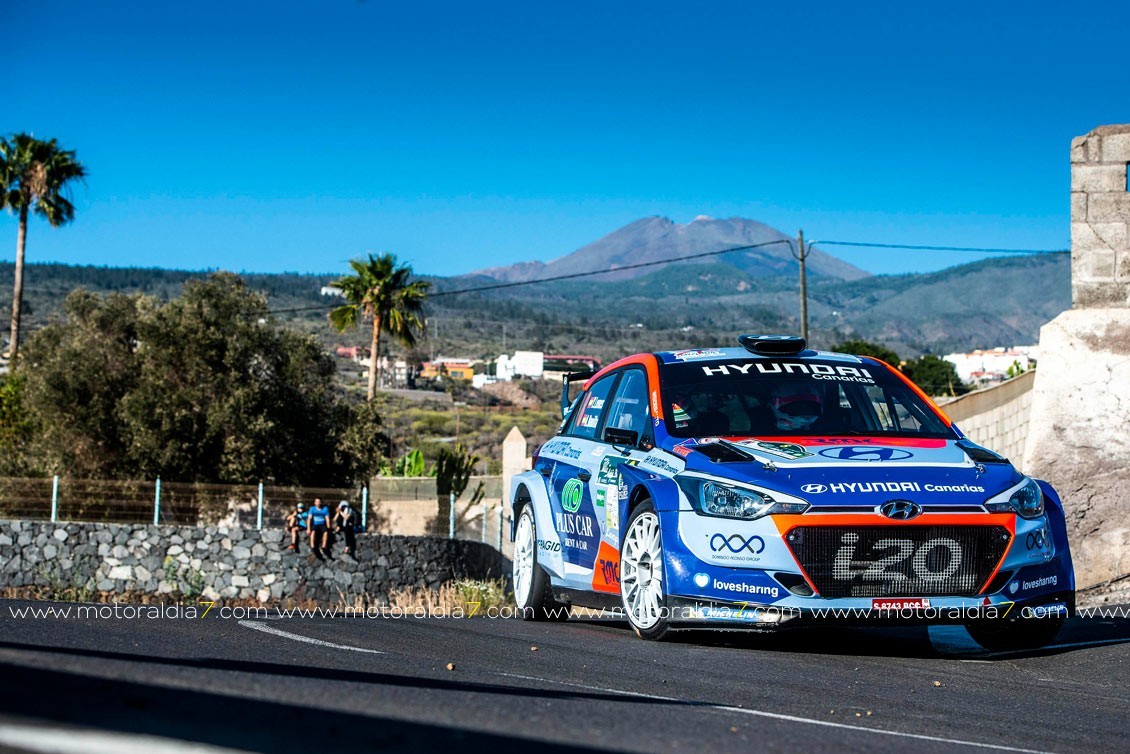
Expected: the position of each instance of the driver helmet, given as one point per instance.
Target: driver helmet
(796, 406)
(682, 411)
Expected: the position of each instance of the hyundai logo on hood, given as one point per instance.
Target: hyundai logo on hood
(814, 489)
(900, 510)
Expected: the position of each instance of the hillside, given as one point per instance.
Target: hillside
(654, 239)
(994, 302)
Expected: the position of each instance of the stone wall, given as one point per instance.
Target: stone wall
(229, 563)
(1100, 212)
(997, 417)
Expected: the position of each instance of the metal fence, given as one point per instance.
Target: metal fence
(388, 505)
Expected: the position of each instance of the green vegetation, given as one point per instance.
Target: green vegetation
(383, 292)
(202, 389)
(35, 176)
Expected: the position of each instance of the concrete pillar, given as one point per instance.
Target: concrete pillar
(514, 459)
(1079, 432)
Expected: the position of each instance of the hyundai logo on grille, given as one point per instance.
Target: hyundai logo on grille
(900, 510)
(814, 489)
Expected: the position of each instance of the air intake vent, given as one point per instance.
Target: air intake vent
(898, 561)
(773, 345)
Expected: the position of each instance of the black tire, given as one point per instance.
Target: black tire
(640, 573)
(1018, 633)
(535, 602)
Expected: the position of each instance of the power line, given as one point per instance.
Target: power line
(914, 247)
(701, 255)
(574, 275)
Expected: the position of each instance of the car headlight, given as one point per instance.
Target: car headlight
(1025, 500)
(716, 497)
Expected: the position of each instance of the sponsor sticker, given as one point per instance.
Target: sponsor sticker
(606, 571)
(561, 448)
(697, 353)
(682, 450)
(571, 495)
(788, 450)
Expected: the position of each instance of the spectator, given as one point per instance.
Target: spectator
(347, 523)
(295, 523)
(319, 524)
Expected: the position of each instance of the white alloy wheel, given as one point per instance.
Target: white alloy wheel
(525, 543)
(641, 574)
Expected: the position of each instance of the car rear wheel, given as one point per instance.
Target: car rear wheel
(641, 574)
(532, 592)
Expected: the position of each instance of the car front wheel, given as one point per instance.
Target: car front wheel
(641, 574)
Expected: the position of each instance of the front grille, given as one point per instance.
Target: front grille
(898, 561)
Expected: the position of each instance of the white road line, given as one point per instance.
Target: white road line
(90, 741)
(788, 718)
(299, 637)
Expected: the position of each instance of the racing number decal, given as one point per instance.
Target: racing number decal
(934, 560)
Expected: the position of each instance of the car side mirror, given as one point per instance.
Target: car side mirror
(614, 436)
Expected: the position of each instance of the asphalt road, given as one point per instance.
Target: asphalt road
(355, 685)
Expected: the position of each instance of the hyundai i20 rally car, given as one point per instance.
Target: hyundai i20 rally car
(773, 485)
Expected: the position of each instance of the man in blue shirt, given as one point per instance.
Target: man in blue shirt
(319, 525)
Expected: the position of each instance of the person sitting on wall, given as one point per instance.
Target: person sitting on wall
(319, 525)
(295, 523)
(347, 523)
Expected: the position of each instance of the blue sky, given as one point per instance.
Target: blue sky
(285, 136)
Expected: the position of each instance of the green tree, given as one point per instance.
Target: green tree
(224, 396)
(858, 347)
(203, 389)
(35, 176)
(935, 376)
(383, 292)
(76, 374)
(364, 446)
(453, 469)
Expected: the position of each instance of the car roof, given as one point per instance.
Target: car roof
(729, 354)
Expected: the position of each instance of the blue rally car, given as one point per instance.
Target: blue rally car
(774, 485)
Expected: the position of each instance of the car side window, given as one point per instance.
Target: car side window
(586, 417)
(629, 408)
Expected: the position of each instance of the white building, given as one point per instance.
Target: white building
(521, 364)
(992, 365)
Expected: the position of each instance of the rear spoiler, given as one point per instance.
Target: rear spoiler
(566, 380)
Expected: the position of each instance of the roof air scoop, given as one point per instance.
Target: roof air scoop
(773, 345)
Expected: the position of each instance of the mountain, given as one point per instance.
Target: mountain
(654, 239)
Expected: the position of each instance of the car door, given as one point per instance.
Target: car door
(627, 412)
(569, 462)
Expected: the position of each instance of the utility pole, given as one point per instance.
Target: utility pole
(801, 254)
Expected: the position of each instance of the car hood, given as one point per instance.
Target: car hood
(854, 471)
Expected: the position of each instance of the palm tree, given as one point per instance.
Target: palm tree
(34, 175)
(382, 291)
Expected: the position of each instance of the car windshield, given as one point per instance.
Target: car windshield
(783, 397)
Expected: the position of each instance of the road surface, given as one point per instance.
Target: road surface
(217, 683)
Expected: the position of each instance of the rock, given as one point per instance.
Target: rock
(5, 540)
(121, 572)
(237, 580)
(60, 534)
(239, 552)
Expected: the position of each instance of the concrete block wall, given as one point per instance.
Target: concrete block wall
(229, 563)
(1100, 214)
(997, 417)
